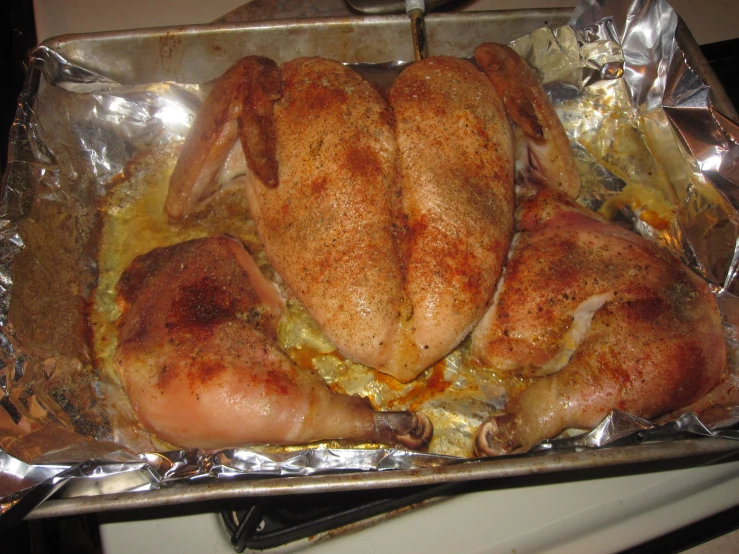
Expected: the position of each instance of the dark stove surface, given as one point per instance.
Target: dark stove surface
(724, 60)
(275, 521)
(17, 36)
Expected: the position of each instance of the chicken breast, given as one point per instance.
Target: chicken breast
(456, 172)
(328, 227)
(197, 355)
(388, 221)
(606, 318)
(321, 180)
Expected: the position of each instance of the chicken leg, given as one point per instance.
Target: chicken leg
(197, 355)
(606, 319)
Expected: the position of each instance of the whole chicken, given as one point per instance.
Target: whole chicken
(389, 221)
(606, 319)
(197, 355)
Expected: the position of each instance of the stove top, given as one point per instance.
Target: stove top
(266, 523)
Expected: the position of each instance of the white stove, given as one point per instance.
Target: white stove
(607, 514)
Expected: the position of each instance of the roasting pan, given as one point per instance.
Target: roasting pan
(198, 53)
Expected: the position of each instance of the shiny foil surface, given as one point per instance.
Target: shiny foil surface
(90, 159)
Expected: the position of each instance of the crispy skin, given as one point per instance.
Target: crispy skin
(197, 355)
(457, 185)
(654, 345)
(238, 106)
(328, 227)
(543, 151)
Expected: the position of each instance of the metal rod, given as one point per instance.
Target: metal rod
(415, 10)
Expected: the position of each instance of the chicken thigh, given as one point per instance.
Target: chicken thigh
(197, 355)
(606, 319)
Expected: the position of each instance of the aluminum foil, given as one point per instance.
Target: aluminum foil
(652, 150)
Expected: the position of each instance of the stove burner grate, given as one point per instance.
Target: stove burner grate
(275, 521)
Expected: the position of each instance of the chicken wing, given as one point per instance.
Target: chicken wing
(543, 151)
(197, 355)
(605, 318)
(239, 106)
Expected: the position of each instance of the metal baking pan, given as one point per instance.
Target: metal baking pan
(696, 451)
(202, 52)
(198, 53)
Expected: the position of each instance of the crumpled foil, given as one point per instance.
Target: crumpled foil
(652, 149)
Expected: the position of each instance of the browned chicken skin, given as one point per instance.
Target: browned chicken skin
(605, 319)
(391, 222)
(614, 321)
(239, 106)
(457, 197)
(392, 235)
(328, 226)
(198, 357)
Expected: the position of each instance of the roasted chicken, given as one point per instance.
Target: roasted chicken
(457, 202)
(327, 227)
(601, 318)
(389, 221)
(197, 355)
(543, 151)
